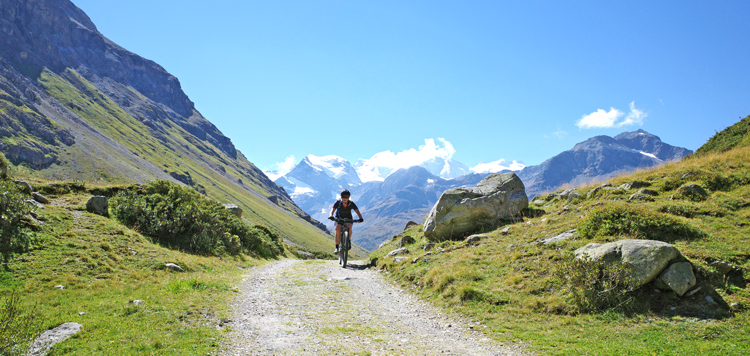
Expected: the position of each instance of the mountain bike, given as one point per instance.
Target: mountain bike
(345, 243)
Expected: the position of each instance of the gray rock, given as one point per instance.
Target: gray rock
(42, 344)
(428, 246)
(60, 286)
(173, 267)
(475, 238)
(24, 186)
(136, 302)
(696, 290)
(688, 175)
(505, 230)
(98, 205)
(679, 277)
(692, 190)
(461, 211)
(643, 194)
(646, 258)
(399, 259)
(40, 198)
(539, 202)
(35, 203)
(234, 209)
(635, 185)
(574, 195)
(723, 266)
(306, 254)
(409, 224)
(561, 237)
(399, 251)
(406, 240)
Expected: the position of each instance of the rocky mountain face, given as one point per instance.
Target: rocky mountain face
(75, 105)
(599, 157)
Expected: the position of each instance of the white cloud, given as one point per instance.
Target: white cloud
(384, 163)
(612, 118)
(282, 168)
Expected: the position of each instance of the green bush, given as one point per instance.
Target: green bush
(4, 163)
(635, 222)
(180, 217)
(13, 207)
(596, 286)
(17, 326)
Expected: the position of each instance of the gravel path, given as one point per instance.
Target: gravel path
(293, 307)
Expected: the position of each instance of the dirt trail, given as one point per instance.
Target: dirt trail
(293, 307)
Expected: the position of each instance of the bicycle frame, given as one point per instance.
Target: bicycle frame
(345, 242)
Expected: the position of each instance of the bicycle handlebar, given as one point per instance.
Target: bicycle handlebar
(344, 221)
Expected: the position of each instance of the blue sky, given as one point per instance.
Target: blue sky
(514, 80)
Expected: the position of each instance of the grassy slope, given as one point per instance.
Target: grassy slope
(90, 104)
(511, 284)
(103, 266)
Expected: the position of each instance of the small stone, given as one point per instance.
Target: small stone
(475, 238)
(710, 300)
(234, 209)
(399, 251)
(173, 267)
(60, 286)
(505, 230)
(428, 246)
(722, 266)
(399, 259)
(136, 302)
(82, 314)
(735, 306)
(42, 344)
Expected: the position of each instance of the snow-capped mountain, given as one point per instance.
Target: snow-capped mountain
(498, 166)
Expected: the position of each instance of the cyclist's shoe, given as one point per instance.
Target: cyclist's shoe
(336, 251)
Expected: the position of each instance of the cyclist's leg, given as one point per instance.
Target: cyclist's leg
(349, 226)
(338, 233)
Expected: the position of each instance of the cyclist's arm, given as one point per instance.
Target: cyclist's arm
(358, 213)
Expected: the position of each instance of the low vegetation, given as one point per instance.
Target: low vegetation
(528, 291)
(180, 217)
(76, 266)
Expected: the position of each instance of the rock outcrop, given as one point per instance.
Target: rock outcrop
(464, 210)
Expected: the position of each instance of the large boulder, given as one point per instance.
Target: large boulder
(646, 258)
(461, 211)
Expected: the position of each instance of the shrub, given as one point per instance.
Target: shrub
(598, 286)
(17, 326)
(635, 222)
(180, 217)
(13, 207)
(4, 167)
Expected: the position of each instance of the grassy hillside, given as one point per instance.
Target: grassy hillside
(525, 290)
(737, 135)
(90, 269)
(135, 154)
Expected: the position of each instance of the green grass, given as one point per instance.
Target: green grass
(512, 284)
(103, 267)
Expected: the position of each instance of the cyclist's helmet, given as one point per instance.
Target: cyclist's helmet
(345, 193)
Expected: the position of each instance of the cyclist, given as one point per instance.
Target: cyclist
(343, 210)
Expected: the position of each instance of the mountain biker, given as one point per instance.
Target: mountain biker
(343, 209)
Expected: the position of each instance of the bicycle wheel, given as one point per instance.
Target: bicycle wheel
(341, 248)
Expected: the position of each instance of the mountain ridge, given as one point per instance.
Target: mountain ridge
(75, 105)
